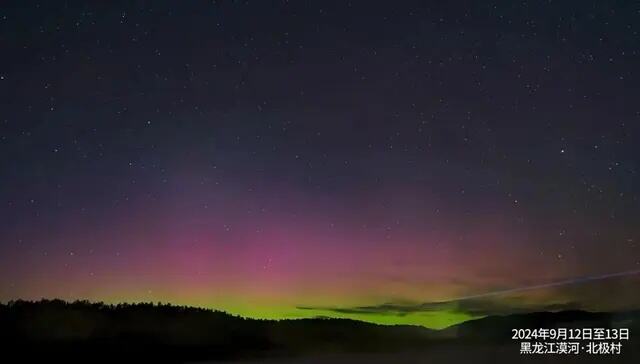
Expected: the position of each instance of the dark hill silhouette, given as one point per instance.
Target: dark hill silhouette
(173, 332)
(90, 332)
(498, 328)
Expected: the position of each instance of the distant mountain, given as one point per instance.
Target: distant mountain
(84, 331)
(499, 328)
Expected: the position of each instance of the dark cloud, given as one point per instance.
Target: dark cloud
(474, 307)
(574, 294)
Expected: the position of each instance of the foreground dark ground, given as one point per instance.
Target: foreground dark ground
(94, 332)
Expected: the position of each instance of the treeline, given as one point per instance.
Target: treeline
(84, 331)
(164, 332)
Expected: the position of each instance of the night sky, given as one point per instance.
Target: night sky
(395, 162)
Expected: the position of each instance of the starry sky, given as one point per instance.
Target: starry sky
(394, 162)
